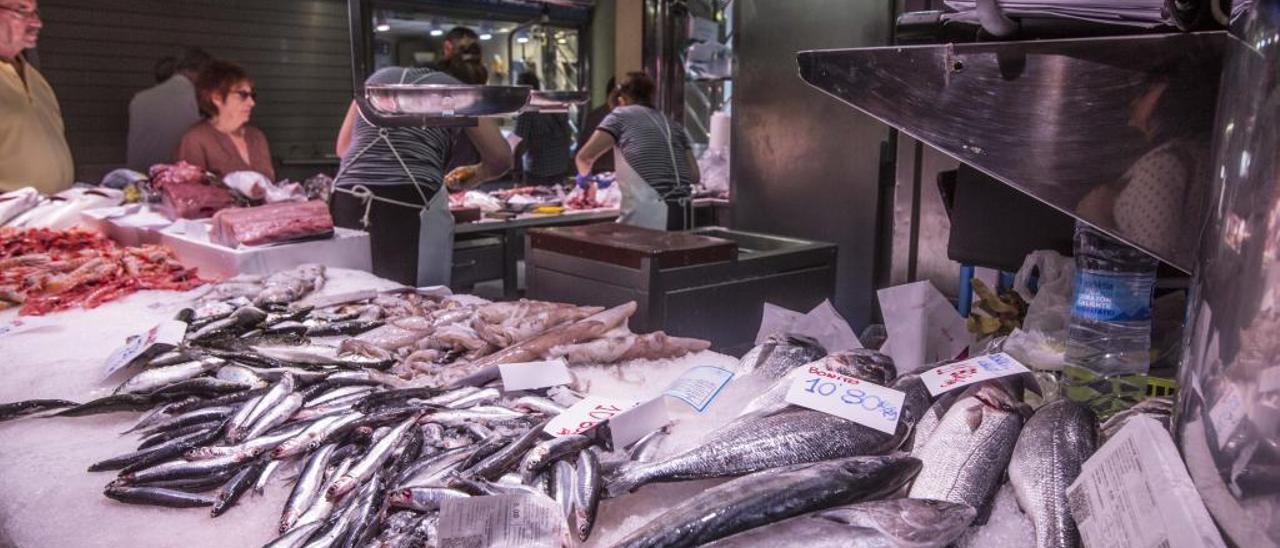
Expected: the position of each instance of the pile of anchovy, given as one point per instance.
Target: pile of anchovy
(376, 454)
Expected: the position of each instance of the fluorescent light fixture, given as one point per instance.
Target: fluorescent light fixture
(522, 39)
(437, 32)
(486, 36)
(562, 41)
(380, 24)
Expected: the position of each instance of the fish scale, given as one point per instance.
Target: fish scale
(1052, 448)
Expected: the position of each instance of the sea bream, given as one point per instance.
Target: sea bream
(1053, 446)
(966, 456)
(772, 495)
(895, 523)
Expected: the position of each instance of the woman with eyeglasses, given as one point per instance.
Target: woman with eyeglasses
(225, 142)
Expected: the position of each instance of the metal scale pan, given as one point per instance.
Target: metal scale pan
(446, 100)
(555, 101)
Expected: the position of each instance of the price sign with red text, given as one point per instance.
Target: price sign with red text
(974, 370)
(585, 415)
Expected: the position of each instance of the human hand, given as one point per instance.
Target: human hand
(456, 179)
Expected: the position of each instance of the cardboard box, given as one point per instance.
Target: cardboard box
(189, 240)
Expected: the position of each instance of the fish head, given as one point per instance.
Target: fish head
(400, 496)
(931, 519)
(582, 523)
(1001, 396)
(868, 365)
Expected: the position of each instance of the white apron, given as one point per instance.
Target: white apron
(435, 222)
(642, 206)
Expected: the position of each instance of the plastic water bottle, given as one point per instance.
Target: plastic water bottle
(1110, 330)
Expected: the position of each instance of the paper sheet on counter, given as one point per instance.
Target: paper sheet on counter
(923, 326)
(824, 324)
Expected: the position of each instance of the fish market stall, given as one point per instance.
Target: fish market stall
(44, 460)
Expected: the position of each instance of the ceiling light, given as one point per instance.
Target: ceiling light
(437, 32)
(522, 39)
(486, 36)
(562, 41)
(380, 24)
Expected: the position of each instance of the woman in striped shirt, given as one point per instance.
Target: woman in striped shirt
(392, 184)
(655, 164)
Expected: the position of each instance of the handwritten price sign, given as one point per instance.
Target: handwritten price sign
(585, 415)
(865, 403)
(974, 370)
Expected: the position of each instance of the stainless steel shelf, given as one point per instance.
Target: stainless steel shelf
(1064, 121)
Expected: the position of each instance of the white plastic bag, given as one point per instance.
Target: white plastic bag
(1042, 341)
(1049, 309)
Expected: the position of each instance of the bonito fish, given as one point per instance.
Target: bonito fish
(965, 457)
(1053, 446)
(791, 437)
(897, 523)
(765, 497)
(779, 354)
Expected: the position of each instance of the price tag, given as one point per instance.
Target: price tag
(585, 415)
(699, 386)
(973, 370)
(531, 375)
(162, 338)
(22, 325)
(629, 426)
(865, 403)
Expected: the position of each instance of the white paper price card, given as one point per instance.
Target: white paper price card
(699, 386)
(161, 338)
(22, 325)
(585, 415)
(531, 375)
(865, 403)
(973, 370)
(502, 521)
(629, 426)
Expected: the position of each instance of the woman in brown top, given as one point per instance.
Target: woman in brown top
(225, 142)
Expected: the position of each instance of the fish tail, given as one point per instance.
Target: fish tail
(628, 478)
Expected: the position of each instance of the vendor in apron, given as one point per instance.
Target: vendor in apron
(654, 162)
(391, 183)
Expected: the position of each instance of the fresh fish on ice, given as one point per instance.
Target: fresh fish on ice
(1053, 446)
(779, 354)
(765, 497)
(896, 523)
(966, 456)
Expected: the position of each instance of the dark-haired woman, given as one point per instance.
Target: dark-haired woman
(654, 162)
(225, 142)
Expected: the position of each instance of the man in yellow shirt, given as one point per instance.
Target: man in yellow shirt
(33, 147)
